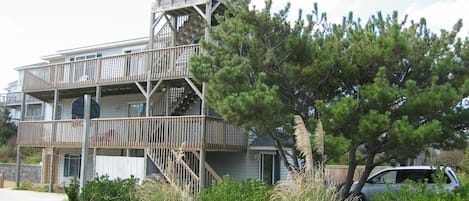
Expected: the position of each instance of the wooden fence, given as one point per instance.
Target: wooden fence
(336, 174)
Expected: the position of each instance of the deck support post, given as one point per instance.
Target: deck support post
(152, 31)
(86, 136)
(18, 149)
(202, 139)
(95, 132)
(51, 170)
(51, 164)
(18, 166)
(56, 102)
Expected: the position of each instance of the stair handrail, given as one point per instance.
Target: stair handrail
(209, 168)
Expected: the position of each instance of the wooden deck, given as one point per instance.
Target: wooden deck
(163, 63)
(145, 132)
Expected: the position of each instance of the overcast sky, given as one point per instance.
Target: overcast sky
(30, 29)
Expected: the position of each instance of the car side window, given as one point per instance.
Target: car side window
(419, 176)
(388, 177)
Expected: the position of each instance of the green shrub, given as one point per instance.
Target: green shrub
(26, 185)
(157, 189)
(40, 188)
(412, 191)
(73, 190)
(230, 189)
(7, 154)
(104, 189)
(31, 155)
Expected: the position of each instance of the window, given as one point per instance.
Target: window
(136, 109)
(133, 62)
(399, 176)
(82, 71)
(269, 168)
(418, 176)
(34, 110)
(72, 165)
(83, 57)
(388, 177)
(58, 113)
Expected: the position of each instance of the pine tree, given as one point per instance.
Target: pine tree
(7, 127)
(384, 89)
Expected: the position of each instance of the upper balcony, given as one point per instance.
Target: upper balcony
(143, 132)
(164, 63)
(166, 5)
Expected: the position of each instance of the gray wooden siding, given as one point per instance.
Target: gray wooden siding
(240, 165)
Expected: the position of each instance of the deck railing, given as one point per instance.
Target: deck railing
(164, 63)
(162, 5)
(14, 98)
(144, 132)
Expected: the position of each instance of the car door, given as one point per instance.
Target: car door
(380, 183)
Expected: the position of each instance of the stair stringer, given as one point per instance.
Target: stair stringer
(174, 169)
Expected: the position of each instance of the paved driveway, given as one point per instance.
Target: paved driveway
(18, 195)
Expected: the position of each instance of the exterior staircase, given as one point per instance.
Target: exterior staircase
(178, 166)
(191, 31)
(181, 167)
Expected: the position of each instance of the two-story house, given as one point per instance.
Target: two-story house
(153, 117)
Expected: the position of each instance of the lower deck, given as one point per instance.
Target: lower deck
(178, 132)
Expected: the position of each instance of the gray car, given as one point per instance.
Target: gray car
(394, 177)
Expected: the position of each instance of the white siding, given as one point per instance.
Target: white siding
(111, 106)
(241, 165)
(65, 181)
(120, 167)
(106, 52)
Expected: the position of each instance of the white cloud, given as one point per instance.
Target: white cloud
(441, 14)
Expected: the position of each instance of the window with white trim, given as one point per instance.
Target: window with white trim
(72, 163)
(136, 110)
(269, 171)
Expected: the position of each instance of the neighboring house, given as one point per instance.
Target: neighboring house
(152, 111)
(12, 100)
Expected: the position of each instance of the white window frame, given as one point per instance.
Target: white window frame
(67, 166)
(261, 167)
(133, 103)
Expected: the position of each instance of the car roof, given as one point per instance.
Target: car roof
(419, 167)
(416, 167)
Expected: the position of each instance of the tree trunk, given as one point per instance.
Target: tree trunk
(283, 155)
(370, 165)
(362, 180)
(352, 165)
